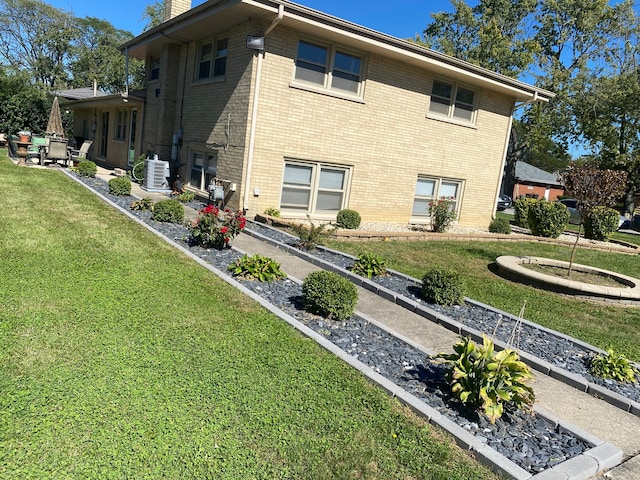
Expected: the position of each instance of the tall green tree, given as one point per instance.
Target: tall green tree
(153, 15)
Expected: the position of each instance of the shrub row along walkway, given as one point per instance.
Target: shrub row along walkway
(595, 417)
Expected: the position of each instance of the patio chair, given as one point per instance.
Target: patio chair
(57, 150)
(82, 152)
(37, 144)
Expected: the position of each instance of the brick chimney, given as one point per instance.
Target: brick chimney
(173, 8)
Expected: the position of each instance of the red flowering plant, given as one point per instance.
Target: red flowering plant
(442, 213)
(216, 227)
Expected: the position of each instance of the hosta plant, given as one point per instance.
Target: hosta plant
(272, 211)
(216, 227)
(257, 267)
(142, 204)
(487, 380)
(613, 365)
(369, 265)
(186, 197)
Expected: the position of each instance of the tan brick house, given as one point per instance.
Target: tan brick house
(294, 109)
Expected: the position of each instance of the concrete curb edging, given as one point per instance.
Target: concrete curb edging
(602, 456)
(537, 364)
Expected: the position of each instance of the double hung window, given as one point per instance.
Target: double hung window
(452, 101)
(314, 187)
(329, 67)
(212, 59)
(154, 68)
(121, 125)
(429, 189)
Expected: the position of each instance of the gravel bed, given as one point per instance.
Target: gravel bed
(529, 441)
(555, 349)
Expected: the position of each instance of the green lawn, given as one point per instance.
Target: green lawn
(122, 358)
(596, 323)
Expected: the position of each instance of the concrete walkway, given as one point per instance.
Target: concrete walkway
(594, 416)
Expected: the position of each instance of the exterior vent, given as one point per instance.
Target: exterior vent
(156, 174)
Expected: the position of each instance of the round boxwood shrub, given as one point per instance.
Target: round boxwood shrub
(120, 186)
(521, 211)
(348, 219)
(87, 168)
(170, 210)
(329, 294)
(600, 223)
(500, 225)
(547, 219)
(443, 286)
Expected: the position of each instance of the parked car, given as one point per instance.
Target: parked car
(576, 218)
(504, 202)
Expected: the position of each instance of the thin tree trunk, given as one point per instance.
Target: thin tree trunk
(573, 250)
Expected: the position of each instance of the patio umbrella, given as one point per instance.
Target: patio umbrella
(54, 127)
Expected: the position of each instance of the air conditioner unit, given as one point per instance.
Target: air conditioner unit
(156, 173)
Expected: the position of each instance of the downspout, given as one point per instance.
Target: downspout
(254, 111)
(506, 144)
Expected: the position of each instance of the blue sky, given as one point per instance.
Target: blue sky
(400, 18)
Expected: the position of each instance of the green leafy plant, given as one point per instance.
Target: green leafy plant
(442, 214)
(500, 225)
(272, 212)
(600, 223)
(257, 267)
(613, 365)
(312, 236)
(142, 204)
(170, 210)
(87, 168)
(329, 294)
(487, 380)
(186, 197)
(547, 219)
(369, 265)
(348, 219)
(120, 186)
(443, 286)
(521, 211)
(215, 227)
(137, 172)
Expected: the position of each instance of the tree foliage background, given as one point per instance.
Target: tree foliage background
(585, 51)
(44, 49)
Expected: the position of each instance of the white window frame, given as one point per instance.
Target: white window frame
(452, 103)
(204, 165)
(314, 188)
(218, 55)
(439, 182)
(332, 73)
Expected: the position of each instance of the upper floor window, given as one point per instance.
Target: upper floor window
(329, 67)
(154, 68)
(212, 59)
(452, 101)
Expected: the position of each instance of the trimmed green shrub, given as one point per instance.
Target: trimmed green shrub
(348, 219)
(613, 365)
(120, 186)
(521, 211)
(443, 286)
(486, 380)
(87, 168)
(142, 204)
(369, 265)
(600, 223)
(272, 211)
(257, 267)
(170, 210)
(328, 294)
(500, 225)
(548, 219)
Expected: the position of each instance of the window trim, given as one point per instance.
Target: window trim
(327, 87)
(314, 188)
(154, 69)
(214, 42)
(449, 117)
(425, 218)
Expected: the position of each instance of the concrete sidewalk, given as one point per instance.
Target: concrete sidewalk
(594, 416)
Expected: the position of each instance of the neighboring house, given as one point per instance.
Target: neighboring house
(532, 181)
(112, 121)
(291, 108)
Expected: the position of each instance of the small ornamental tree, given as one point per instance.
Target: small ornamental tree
(592, 187)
